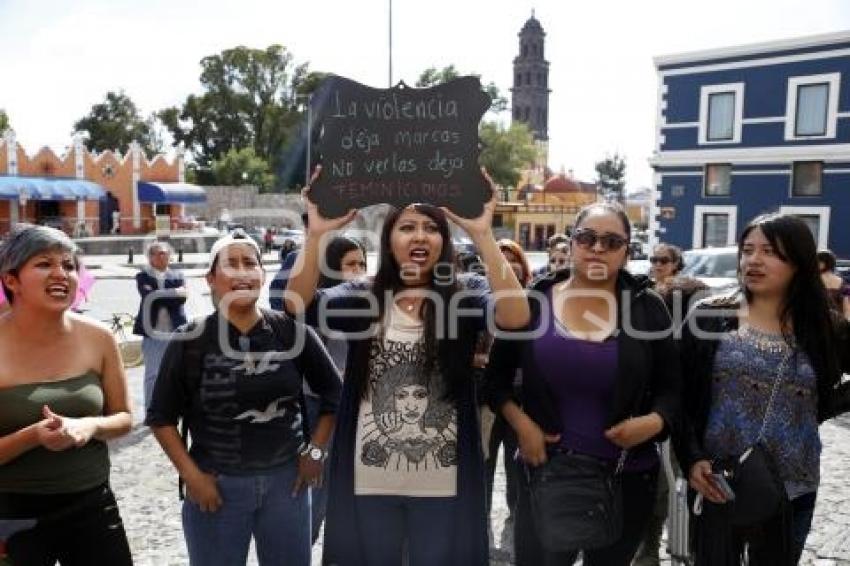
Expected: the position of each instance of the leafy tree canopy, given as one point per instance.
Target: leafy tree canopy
(243, 167)
(252, 98)
(507, 151)
(115, 122)
(611, 176)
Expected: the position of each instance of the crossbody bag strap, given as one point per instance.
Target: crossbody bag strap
(621, 462)
(782, 366)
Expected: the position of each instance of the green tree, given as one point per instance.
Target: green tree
(432, 76)
(506, 151)
(250, 99)
(4, 121)
(114, 123)
(611, 177)
(243, 167)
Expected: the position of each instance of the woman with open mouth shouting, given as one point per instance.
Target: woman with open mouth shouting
(407, 467)
(62, 395)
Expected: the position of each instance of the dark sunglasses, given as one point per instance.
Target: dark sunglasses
(659, 259)
(588, 238)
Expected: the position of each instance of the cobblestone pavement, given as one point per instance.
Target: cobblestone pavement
(146, 487)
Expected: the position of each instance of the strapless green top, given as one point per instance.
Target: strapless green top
(41, 470)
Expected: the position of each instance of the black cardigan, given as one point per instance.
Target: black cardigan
(648, 376)
(717, 315)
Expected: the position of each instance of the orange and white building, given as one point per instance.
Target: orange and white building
(86, 193)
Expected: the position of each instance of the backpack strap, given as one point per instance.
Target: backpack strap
(193, 361)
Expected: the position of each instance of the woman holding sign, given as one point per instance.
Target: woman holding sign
(407, 462)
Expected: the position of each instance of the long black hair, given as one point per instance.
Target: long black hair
(805, 309)
(334, 252)
(440, 351)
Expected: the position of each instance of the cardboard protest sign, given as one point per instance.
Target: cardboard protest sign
(399, 146)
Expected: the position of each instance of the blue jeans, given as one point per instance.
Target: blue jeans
(427, 525)
(152, 352)
(260, 505)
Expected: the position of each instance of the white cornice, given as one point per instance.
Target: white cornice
(753, 49)
(832, 152)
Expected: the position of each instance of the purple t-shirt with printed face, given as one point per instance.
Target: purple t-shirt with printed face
(581, 375)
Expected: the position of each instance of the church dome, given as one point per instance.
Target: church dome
(561, 184)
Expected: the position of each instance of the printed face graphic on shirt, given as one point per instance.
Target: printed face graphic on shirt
(411, 402)
(411, 424)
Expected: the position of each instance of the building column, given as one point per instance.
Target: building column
(181, 173)
(181, 163)
(136, 156)
(653, 227)
(80, 173)
(12, 169)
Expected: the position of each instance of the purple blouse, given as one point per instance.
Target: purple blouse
(581, 375)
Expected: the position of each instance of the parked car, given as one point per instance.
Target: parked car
(638, 266)
(464, 245)
(716, 267)
(288, 235)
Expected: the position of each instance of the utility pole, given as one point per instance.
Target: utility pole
(391, 44)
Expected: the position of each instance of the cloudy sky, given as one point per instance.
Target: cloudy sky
(57, 58)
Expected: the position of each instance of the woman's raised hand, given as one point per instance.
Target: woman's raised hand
(318, 225)
(482, 225)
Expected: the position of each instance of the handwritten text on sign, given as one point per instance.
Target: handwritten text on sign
(399, 146)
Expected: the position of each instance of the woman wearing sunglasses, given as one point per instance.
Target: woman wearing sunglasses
(596, 383)
(665, 262)
(678, 291)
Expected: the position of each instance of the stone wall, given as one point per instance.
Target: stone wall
(247, 206)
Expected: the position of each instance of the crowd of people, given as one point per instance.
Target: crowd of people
(372, 408)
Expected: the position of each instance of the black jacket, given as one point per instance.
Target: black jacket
(648, 369)
(717, 315)
(146, 283)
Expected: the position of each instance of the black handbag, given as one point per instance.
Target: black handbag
(576, 502)
(759, 492)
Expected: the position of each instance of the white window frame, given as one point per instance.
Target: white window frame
(701, 210)
(704, 93)
(820, 211)
(834, 81)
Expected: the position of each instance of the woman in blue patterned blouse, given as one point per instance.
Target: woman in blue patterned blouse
(776, 333)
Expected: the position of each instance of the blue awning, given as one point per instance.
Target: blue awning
(171, 192)
(49, 188)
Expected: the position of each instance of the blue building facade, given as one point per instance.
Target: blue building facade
(751, 129)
